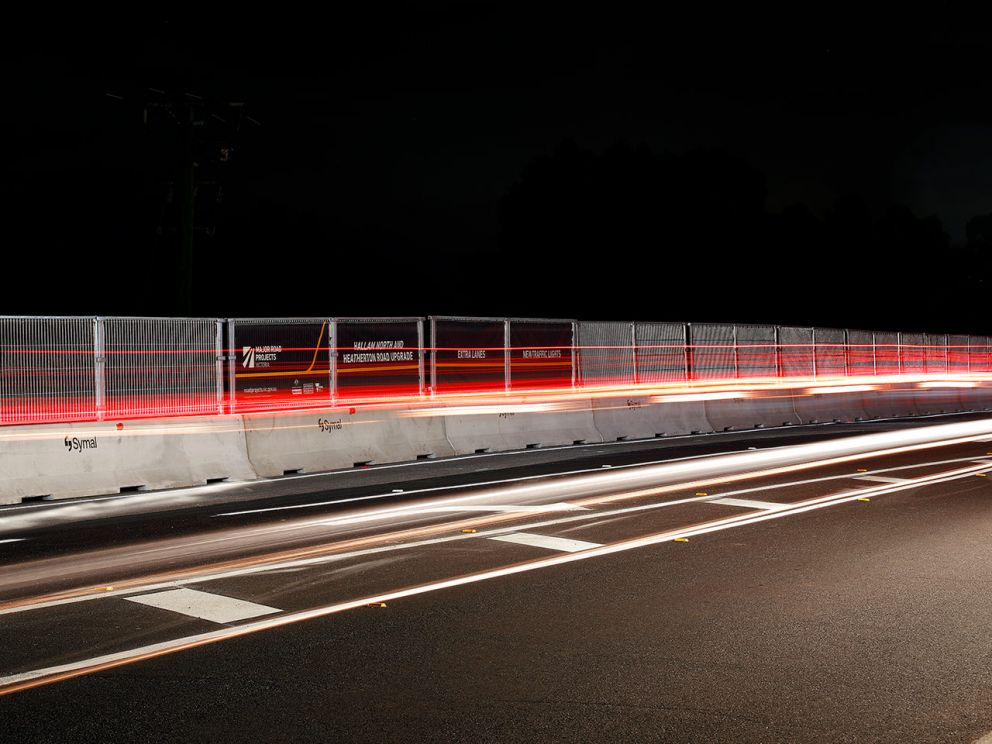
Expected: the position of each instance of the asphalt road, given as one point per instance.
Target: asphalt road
(847, 600)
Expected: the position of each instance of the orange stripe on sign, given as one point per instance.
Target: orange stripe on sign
(292, 373)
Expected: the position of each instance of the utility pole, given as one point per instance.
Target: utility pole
(199, 138)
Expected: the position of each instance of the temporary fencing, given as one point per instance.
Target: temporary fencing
(63, 369)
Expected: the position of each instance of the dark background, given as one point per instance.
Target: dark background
(443, 158)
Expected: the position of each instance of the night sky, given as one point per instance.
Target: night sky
(453, 159)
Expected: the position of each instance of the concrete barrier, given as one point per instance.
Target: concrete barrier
(86, 459)
(517, 423)
(738, 414)
(329, 439)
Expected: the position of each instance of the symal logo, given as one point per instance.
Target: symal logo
(75, 444)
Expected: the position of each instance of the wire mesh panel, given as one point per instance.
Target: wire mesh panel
(161, 366)
(831, 352)
(661, 352)
(886, 353)
(860, 353)
(47, 370)
(958, 358)
(756, 351)
(977, 354)
(279, 362)
(541, 353)
(795, 351)
(605, 353)
(468, 354)
(377, 357)
(936, 353)
(912, 353)
(713, 353)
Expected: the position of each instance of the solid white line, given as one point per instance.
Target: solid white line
(123, 657)
(764, 505)
(550, 543)
(213, 607)
(13, 539)
(879, 478)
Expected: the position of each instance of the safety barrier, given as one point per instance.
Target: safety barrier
(93, 369)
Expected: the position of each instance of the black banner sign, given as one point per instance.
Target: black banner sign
(380, 358)
(540, 354)
(281, 363)
(468, 356)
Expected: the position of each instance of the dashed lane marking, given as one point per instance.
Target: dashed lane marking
(748, 504)
(880, 479)
(213, 607)
(543, 541)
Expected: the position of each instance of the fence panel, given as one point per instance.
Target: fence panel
(958, 357)
(47, 370)
(831, 353)
(977, 354)
(378, 357)
(468, 354)
(605, 353)
(861, 353)
(541, 353)
(757, 351)
(795, 351)
(936, 353)
(886, 353)
(713, 353)
(279, 362)
(661, 352)
(160, 366)
(912, 353)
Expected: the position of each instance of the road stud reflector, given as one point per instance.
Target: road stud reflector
(701, 493)
(681, 539)
(378, 604)
(862, 470)
(981, 475)
(468, 531)
(108, 588)
(864, 498)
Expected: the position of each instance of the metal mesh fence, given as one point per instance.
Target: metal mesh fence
(795, 351)
(605, 353)
(860, 353)
(713, 355)
(756, 351)
(47, 370)
(936, 353)
(161, 366)
(661, 352)
(958, 358)
(912, 353)
(830, 352)
(886, 353)
(977, 354)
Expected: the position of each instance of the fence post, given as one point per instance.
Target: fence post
(690, 361)
(634, 352)
(221, 357)
(737, 361)
(507, 385)
(332, 339)
(433, 356)
(99, 367)
(420, 360)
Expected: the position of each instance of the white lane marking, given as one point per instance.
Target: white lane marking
(747, 504)
(879, 478)
(213, 607)
(118, 659)
(413, 511)
(879, 490)
(544, 541)
(13, 539)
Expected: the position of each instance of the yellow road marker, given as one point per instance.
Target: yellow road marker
(701, 493)
(378, 604)
(864, 498)
(469, 532)
(981, 475)
(681, 539)
(862, 470)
